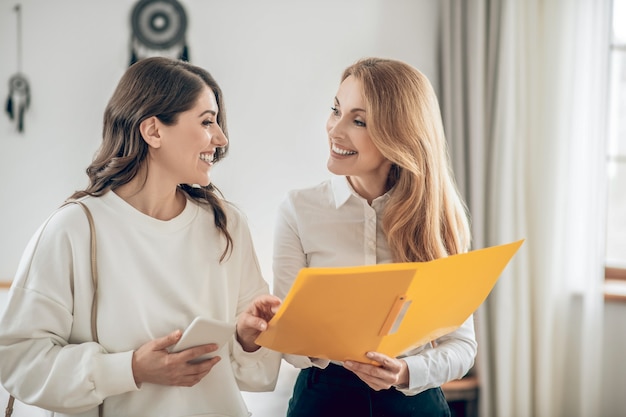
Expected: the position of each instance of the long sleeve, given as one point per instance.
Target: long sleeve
(451, 358)
(289, 258)
(258, 370)
(47, 358)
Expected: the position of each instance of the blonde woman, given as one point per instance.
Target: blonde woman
(392, 199)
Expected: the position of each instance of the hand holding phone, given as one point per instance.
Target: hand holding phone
(203, 331)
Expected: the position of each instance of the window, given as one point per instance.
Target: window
(616, 215)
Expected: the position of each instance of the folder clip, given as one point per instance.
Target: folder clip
(395, 316)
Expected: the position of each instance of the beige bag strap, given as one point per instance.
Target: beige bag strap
(9, 409)
(94, 304)
(94, 271)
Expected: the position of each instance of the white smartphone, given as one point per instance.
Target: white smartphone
(203, 331)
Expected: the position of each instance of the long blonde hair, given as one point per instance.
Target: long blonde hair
(426, 217)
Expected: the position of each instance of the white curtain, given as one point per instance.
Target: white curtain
(523, 95)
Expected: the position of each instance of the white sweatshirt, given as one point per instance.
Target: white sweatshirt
(154, 277)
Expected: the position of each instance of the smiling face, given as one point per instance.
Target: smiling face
(187, 147)
(352, 152)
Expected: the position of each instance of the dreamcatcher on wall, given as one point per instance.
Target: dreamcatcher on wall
(19, 90)
(158, 29)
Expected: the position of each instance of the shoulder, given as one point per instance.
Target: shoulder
(316, 194)
(69, 218)
(65, 228)
(236, 219)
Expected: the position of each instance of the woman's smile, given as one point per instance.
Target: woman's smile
(342, 151)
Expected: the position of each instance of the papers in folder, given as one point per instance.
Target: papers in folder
(342, 313)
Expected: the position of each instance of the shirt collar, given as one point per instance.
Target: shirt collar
(342, 190)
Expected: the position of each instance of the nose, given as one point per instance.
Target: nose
(334, 126)
(219, 138)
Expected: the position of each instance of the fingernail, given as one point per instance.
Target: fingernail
(348, 364)
(370, 355)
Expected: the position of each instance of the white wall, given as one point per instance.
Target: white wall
(278, 62)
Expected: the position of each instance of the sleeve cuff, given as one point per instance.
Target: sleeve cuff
(320, 363)
(113, 374)
(303, 362)
(246, 359)
(418, 375)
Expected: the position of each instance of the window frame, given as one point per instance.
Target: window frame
(612, 273)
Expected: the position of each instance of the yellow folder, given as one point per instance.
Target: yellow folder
(342, 313)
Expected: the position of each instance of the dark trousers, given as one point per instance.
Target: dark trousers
(337, 392)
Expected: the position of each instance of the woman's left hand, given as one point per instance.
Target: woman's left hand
(254, 320)
(391, 372)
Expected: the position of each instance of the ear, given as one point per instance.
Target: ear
(149, 129)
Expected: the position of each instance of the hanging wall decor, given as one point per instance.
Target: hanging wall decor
(19, 90)
(158, 28)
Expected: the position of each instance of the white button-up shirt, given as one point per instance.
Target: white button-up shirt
(330, 225)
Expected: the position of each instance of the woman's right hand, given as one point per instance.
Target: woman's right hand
(153, 363)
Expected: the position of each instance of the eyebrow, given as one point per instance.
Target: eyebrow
(353, 110)
(207, 111)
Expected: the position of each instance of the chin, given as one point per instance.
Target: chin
(333, 168)
(203, 182)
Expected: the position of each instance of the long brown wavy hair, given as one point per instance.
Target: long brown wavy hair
(164, 88)
(426, 217)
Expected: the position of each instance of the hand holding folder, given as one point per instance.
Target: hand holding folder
(342, 313)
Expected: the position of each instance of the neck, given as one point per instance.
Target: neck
(154, 201)
(369, 188)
